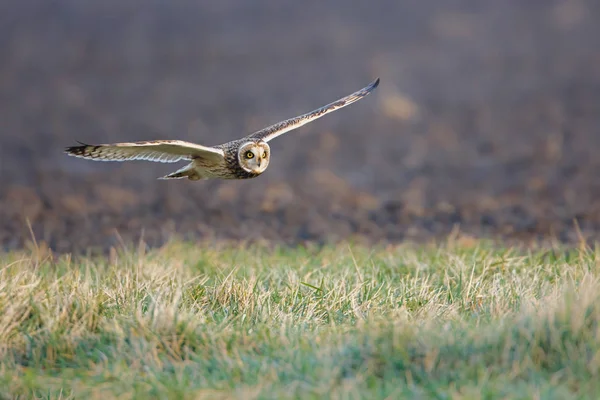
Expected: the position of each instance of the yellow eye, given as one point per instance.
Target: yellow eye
(264, 155)
(249, 154)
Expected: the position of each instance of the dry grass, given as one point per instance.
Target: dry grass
(193, 321)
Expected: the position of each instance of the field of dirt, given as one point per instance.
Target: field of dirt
(487, 119)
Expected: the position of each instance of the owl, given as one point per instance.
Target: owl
(243, 158)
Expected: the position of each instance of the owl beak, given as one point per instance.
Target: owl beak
(259, 161)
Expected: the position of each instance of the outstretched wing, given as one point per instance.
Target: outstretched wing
(165, 151)
(271, 132)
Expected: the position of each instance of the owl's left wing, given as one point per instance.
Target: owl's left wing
(164, 151)
(271, 132)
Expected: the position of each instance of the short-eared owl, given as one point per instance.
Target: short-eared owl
(239, 159)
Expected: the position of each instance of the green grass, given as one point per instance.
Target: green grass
(458, 320)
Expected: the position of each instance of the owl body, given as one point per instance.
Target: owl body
(243, 158)
(234, 164)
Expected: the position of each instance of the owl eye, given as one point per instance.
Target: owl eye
(264, 155)
(249, 154)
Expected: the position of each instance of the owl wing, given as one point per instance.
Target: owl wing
(271, 132)
(165, 151)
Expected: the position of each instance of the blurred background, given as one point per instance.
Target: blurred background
(487, 118)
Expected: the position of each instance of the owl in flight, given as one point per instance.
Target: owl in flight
(243, 158)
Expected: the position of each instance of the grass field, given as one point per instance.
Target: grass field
(461, 319)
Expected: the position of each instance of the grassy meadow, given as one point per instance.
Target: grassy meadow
(461, 320)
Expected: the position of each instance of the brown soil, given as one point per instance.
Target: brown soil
(487, 118)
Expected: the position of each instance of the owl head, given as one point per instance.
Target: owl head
(254, 156)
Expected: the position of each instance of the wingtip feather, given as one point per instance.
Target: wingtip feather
(72, 150)
(375, 83)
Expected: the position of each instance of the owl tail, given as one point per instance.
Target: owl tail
(186, 172)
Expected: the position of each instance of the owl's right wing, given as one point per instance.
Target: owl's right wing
(164, 151)
(271, 132)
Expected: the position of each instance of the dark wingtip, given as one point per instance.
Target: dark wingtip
(72, 150)
(76, 150)
(375, 83)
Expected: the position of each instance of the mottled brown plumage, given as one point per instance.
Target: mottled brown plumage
(243, 158)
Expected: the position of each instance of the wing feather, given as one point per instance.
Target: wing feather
(163, 151)
(271, 132)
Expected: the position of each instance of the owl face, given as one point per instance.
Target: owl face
(254, 156)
